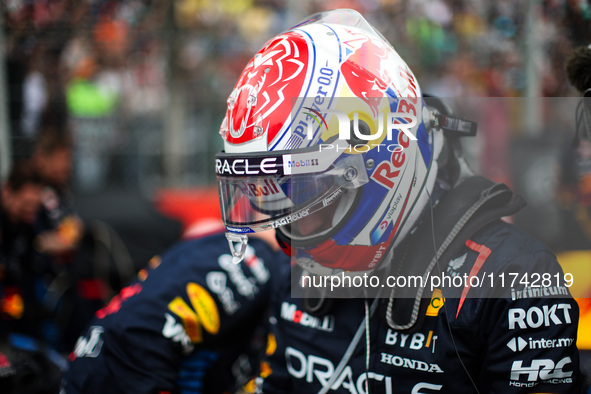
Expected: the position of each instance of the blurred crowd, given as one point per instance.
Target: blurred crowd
(122, 72)
(126, 73)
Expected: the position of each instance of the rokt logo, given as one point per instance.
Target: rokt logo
(535, 317)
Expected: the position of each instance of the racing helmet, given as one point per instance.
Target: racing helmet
(329, 141)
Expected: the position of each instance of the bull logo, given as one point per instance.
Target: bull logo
(275, 72)
(365, 70)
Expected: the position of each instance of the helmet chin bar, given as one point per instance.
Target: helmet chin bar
(239, 249)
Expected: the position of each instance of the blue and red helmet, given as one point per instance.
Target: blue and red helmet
(328, 140)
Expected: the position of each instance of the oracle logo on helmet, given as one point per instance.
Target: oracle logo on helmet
(239, 166)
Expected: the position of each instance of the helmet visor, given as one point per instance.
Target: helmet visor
(255, 200)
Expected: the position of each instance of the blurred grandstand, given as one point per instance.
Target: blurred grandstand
(144, 82)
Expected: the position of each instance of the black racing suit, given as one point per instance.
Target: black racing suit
(189, 326)
(522, 342)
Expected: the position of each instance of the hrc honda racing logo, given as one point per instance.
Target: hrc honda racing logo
(525, 373)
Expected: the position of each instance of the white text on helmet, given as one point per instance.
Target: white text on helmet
(388, 170)
(289, 219)
(243, 167)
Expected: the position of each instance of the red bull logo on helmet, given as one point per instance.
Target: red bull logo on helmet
(276, 73)
(373, 68)
(365, 69)
(268, 187)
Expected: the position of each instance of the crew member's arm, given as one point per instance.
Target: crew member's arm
(531, 346)
(196, 303)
